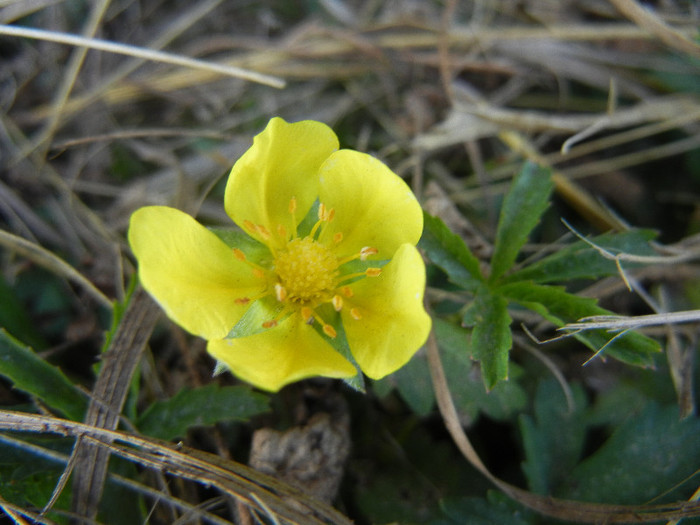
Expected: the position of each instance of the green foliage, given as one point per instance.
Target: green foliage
(448, 251)
(414, 384)
(644, 458)
(31, 374)
(523, 206)
(553, 439)
(205, 405)
(487, 311)
(494, 510)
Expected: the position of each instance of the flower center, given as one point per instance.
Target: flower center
(307, 271)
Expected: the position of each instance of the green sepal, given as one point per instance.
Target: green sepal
(260, 311)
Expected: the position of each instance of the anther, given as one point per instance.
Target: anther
(337, 303)
(347, 291)
(292, 205)
(270, 324)
(257, 272)
(307, 314)
(355, 314)
(242, 300)
(282, 232)
(373, 272)
(263, 231)
(366, 252)
(337, 237)
(280, 292)
(321, 212)
(329, 331)
(239, 254)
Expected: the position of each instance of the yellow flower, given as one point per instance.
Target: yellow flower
(328, 263)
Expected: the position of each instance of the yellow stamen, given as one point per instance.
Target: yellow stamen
(355, 314)
(280, 292)
(347, 291)
(373, 272)
(270, 324)
(329, 331)
(366, 252)
(307, 314)
(239, 254)
(282, 232)
(242, 300)
(337, 237)
(337, 303)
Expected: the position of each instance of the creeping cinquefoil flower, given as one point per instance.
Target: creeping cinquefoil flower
(327, 263)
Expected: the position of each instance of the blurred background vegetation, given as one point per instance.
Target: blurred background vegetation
(454, 96)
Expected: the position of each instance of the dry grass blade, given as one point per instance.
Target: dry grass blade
(108, 396)
(139, 52)
(652, 23)
(53, 263)
(616, 323)
(259, 491)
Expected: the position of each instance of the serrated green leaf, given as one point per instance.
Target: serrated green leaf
(449, 252)
(558, 306)
(580, 260)
(523, 206)
(200, 406)
(31, 374)
(553, 440)
(496, 510)
(648, 455)
(491, 337)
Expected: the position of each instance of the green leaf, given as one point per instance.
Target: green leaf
(491, 337)
(553, 440)
(415, 385)
(580, 260)
(15, 319)
(200, 406)
(560, 307)
(523, 206)
(651, 453)
(497, 509)
(33, 375)
(449, 252)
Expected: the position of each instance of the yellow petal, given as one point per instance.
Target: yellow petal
(373, 206)
(393, 323)
(192, 274)
(281, 355)
(282, 163)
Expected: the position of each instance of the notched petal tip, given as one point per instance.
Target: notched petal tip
(279, 168)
